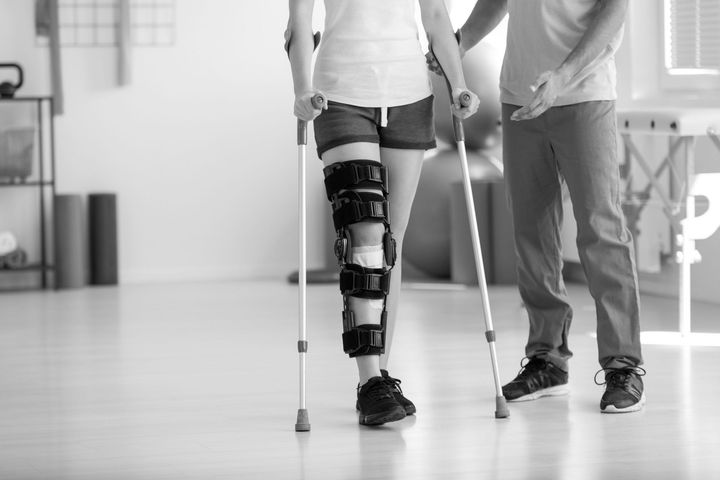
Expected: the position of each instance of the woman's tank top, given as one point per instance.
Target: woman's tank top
(370, 54)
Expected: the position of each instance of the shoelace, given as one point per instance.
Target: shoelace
(378, 391)
(530, 366)
(618, 377)
(393, 383)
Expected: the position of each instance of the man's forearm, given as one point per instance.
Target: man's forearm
(485, 16)
(608, 21)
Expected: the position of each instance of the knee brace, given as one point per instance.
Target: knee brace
(358, 193)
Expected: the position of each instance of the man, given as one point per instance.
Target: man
(558, 94)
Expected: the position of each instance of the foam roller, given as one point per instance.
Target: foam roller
(102, 226)
(69, 235)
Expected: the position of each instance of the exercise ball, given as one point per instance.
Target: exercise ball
(427, 240)
(481, 67)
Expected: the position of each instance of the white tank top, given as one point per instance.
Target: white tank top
(370, 54)
(541, 34)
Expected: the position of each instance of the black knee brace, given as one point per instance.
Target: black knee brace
(358, 192)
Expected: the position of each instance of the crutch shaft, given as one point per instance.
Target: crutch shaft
(303, 424)
(464, 99)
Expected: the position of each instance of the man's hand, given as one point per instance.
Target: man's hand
(547, 87)
(432, 63)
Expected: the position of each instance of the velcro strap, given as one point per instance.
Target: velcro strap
(361, 173)
(368, 340)
(364, 282)
(349, 211)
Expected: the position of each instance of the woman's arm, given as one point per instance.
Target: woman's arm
(300, 44)
(444, 45)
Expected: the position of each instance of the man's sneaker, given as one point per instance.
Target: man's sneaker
(394, 385)
(376, 403)
(537, 378)
(624, 391)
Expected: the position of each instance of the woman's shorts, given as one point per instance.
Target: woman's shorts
(408, 126)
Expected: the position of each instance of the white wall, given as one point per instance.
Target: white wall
(200, 148)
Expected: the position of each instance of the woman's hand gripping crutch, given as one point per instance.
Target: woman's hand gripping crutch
(465, 99)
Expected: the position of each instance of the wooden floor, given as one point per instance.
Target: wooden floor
(200, 381)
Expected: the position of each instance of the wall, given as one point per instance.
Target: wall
(200, 148)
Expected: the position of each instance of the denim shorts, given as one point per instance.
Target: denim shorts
(405, 126)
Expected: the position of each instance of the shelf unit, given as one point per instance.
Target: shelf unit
(43, 181)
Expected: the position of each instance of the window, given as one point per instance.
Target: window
(95, 23)
(691, 43)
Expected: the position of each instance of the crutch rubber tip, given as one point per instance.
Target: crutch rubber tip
(303, 421)
(501, 410)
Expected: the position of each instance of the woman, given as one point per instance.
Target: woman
(371, 137)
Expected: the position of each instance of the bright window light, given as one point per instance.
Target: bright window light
(692, 37)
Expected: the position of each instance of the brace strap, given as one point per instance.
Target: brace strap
(364, 282)
(358, 173)
(364, 340)
(351, 210)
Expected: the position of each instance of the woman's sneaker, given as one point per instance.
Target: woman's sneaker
(376, 403)
(624, 390)
(537, 378)
(394, 385)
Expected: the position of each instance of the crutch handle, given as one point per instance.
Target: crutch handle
(465, 100)
(318, 101)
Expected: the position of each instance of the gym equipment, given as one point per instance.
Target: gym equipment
(358, 192)
(102, 226)
(8, 242)
(17, 150)
(481, 68)
(429, 250)
(683, 127)
(70, 253)
(14, 260)
(501, 410)
(7, 88)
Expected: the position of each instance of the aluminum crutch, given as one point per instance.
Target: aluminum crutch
(303, 421)
(501, 410)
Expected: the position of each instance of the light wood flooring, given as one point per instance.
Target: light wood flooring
(200, 381)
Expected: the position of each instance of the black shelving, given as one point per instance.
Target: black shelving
(43, 182)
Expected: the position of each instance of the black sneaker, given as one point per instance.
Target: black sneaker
(537, 378)
(376, 403)
(394, 385)
(624, 391)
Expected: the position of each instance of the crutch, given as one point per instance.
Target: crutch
(501, 410)
(302, 424)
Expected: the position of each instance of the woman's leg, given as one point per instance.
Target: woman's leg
(362, 234)
(404, 167)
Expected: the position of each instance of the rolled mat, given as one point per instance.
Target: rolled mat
(70, 256)
(102, 225)
(8, 243)
(15, 259)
